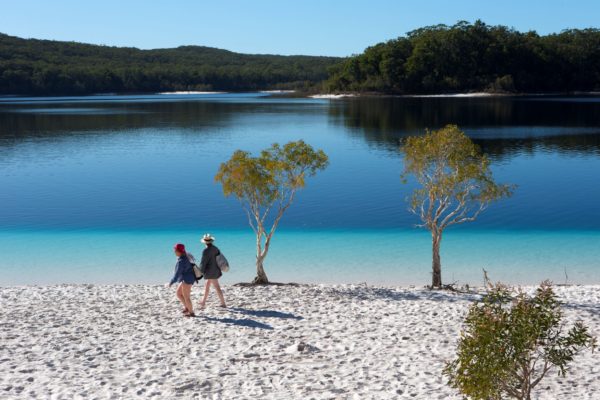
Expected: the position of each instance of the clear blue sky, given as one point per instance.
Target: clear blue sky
(334, 27)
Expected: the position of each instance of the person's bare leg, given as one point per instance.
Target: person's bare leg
(219, 292)
(206, 291)
(187, 291)
(180, 294)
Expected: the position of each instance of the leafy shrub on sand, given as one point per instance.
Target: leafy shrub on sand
(511, 341)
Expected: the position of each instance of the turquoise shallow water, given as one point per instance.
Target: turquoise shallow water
(99, 188)
(387, 257)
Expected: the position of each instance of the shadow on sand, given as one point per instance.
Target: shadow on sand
(265, 313)
(370, 293)
(248, 323)
(366, 293)
(593, 309)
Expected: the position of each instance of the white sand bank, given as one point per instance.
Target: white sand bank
(190, 92)
(474, 94)
(331, 96)
(277, 91)
(306, 342)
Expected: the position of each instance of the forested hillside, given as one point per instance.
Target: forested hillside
(436, 59)
(474, 57)
(30, 66)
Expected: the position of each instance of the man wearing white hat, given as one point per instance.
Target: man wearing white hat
(210, 269)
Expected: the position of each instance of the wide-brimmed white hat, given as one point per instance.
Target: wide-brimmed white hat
(207, 238)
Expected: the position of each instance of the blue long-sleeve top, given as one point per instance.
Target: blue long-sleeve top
(183, 271)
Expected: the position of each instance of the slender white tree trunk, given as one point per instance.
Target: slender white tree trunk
(261, 276)
(436, 277)
(261, 254)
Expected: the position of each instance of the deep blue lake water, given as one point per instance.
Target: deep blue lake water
(98, 188)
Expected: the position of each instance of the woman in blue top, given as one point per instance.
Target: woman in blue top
(185, 275)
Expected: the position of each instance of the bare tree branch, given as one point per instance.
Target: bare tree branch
(250, 215)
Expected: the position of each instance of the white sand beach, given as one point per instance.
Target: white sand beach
(192, 92)
(332, 96)
(293, 342)
(473, 94)
(277, 91)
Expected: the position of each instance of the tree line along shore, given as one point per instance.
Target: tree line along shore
(465, 57)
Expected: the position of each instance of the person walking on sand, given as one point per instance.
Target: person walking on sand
(210, 269)
(184, 274)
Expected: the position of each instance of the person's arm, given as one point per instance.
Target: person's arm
(178, 273)
(205, 259)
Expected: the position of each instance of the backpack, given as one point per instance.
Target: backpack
(222, 262)
(197, 273)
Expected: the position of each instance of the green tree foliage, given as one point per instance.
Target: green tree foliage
(266, 186)
(455, 180)
(510, 343)
(469, 57)
(29, 66)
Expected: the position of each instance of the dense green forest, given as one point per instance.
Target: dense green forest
(436, 59)
(30, 66)
(474, 57)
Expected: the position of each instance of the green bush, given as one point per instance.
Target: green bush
(511, 341)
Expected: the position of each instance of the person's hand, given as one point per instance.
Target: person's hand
(167, 285)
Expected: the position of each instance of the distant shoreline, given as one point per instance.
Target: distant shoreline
(283, 93)
(191, 92)
(448, 95)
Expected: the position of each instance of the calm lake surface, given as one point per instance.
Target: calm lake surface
(98, 189)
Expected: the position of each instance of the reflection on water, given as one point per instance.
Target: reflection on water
(500, 125)
(20, 121)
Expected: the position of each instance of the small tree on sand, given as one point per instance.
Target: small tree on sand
(509, 343)
(266, 186)
(456, 183)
